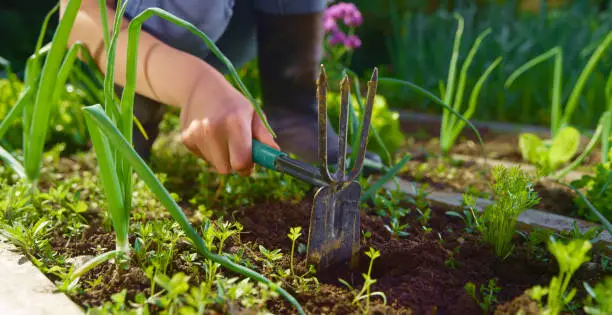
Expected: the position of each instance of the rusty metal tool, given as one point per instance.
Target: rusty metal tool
(334, 231)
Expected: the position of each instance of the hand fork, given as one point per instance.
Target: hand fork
(334, 232)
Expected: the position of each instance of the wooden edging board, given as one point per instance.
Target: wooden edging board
(25, 290)
(527, 221)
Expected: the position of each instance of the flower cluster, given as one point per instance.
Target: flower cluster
(350, 16)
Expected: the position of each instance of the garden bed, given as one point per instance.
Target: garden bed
(424, 272)
(468, 171)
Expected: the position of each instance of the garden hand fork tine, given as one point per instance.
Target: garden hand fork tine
(333, 237)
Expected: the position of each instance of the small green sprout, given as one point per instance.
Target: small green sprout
(514, 194)
(488, 294)
(569, 257)
(294, 234)
(270, 255)
(365, 290)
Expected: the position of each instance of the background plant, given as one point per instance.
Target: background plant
(516, 36)
(565, 139)
(451, 127)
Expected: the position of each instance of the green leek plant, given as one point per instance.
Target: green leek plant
(451, 128)
(46, 73)
(117, 162)
(551, 154)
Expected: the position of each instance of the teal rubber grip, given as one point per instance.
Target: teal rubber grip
(265, 155)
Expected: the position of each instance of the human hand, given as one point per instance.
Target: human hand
(218, 124)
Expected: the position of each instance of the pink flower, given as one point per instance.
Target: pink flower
(354, 19)
(352, 42)
(343, 10)
(337, 37)
(330, 25)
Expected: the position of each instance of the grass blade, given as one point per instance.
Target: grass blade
(375, 133)
(596, 136)
(594, 211)
(45, 24)
(437, 101)
(572, 103)
(96, 114)
(555, 113)
(12, 162)
(385, 178)
(9, 74)
(42, 110)
(532, 63)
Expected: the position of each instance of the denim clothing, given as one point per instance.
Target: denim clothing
(228, 23)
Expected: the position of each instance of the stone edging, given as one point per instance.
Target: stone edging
(25, 290)
(571, 176)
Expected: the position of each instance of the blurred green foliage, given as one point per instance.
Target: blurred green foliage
(421, 44)
(598, 192)
(20, 23)
(384, 120)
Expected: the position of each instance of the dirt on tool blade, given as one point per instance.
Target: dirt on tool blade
(418, 272)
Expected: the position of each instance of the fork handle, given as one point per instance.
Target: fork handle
(279, 161)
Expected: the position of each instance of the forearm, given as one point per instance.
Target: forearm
(165, 74)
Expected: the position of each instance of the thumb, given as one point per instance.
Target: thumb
(261, 133)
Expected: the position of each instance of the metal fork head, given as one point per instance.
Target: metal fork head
(340, 177)
(334, 232)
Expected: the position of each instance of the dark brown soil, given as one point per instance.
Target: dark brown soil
(413, 272)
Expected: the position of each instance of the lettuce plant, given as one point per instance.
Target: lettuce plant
(565, 139)
(570, 257)
(550, 155)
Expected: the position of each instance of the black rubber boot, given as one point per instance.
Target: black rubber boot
(289, 56)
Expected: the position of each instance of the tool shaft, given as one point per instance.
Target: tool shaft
(273, 159)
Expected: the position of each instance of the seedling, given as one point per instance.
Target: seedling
(294, 234)
(365, 290)
(117, 162)
(569, 257)
(488, 294)
(513, 195)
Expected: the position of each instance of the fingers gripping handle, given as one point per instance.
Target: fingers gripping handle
(265, 155)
